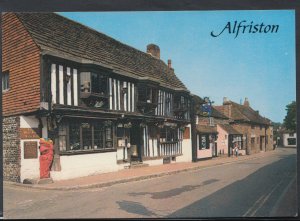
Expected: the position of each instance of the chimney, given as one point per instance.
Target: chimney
(153, 50)
(246, 102)
(169, 64)
(225, 100)
(227, 107)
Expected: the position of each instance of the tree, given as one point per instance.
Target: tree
(290, 118)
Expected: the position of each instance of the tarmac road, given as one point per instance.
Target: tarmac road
(262, 187)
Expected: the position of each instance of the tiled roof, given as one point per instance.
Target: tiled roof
(214, 112)
(58, 34)
(206, 129)
(229, 129)
(244, 113)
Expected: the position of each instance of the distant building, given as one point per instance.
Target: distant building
(215, 136)
(256, 131)
(289, 138)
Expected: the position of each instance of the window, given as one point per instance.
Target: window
(168, 134)
(291, 141)
(74, 136)
(94, 89)
(291, 135)
(99, 84)
(181, 107)
(5, 81)
(252, 140)
(62, 137)
(85, 82)
(204, 142)
(148, 94)
(86, 135)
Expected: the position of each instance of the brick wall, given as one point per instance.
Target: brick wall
(11, 149)
(21, 57)
(257, 132)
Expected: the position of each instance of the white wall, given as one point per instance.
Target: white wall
(222, 142)
(205, 153)
(29, 122)
(30, 168)
(186, 149)
(85, 165)
(153, 162)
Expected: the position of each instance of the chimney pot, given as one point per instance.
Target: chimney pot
(153, 50)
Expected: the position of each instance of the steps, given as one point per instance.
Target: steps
(137, 164)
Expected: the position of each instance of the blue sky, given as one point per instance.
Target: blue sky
(258, 66)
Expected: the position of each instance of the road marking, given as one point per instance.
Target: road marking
(260, 202)
(282, 195)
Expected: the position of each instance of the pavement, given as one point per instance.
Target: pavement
(140, 173)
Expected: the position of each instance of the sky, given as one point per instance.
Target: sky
(259, 66)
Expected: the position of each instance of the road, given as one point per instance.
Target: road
(262, 187)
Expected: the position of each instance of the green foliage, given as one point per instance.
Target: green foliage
(290, 118)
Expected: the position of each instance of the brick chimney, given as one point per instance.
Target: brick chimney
(169, 64)
(227, 107)
(246, 102)
(153, 50)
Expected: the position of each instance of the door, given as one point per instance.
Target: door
(136, 139)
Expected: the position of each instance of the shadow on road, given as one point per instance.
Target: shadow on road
(254, 196)
(135, 208)
(173, 192)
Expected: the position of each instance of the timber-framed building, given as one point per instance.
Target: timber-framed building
(103, 103)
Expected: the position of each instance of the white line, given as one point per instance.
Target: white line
(260, 204)
(282, 195)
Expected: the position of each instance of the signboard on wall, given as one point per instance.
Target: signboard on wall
(30, 150)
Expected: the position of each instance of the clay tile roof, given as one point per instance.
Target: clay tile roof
(58, 34)
(247, 113)
(229, 129)
(244, 113)
(206, 129)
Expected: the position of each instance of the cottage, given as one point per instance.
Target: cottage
(256, 131)
(215, 136)
(104, 104)
(289, 138)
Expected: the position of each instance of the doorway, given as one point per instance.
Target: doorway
(135, 141)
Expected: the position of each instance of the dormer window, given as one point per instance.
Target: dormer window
(93, 89)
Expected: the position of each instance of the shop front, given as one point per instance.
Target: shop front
(206, 142)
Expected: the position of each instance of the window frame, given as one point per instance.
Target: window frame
(91, 149)
(5, 81)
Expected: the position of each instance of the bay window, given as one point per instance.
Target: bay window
(86, 136)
